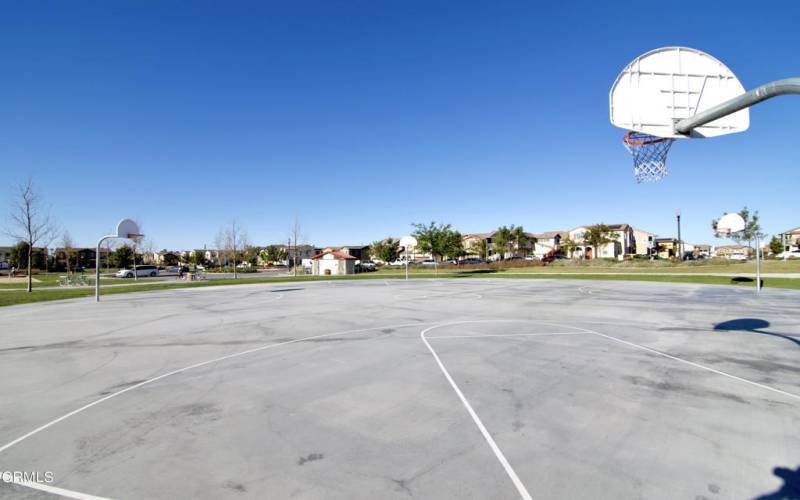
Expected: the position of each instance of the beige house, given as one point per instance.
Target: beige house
(472, 241)
(791, 239)
(731, 251)
(643, 241)
(623, 244)
(333, 263)
(548, 241)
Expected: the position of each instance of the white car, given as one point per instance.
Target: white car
(151, 271)
(428, 262)
(399, 262)
(737, 256)
(789, 254)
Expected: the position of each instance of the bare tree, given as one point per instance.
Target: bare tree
(69, 250)
(295, 234)
(30, 222)
(229, 240)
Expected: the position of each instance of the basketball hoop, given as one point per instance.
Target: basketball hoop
(649, 155)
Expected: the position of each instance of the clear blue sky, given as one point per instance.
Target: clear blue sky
(361, 117)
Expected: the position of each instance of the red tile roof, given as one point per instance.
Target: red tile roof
(337, 255)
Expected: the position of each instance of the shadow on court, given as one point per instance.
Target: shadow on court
(753, 325)
(790, 488)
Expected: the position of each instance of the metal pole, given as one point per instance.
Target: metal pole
(97, 267)
(405, 251)
(680, 243)
(135, 274)
(758, 265)
(755, 96)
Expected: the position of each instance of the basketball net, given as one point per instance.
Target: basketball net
(649, 155)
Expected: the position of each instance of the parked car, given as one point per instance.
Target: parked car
(151, 271)
(367, 265)
(788, 254)
(737, 256)
(400, 262)
(428, 262)
(472, 260)
(451, 262)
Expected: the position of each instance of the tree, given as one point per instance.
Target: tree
(775, 245)
(198, 258)
(122, 257)
(483, 248)
(521, 239)
(454, 245)
(295, 235)
(503, 241)
(70, 254)
(568, 245)
(31, 223)
(385, 250)
(250, 254)
(229, 240)
(752, 228)
(19, 254)
(599, 235)
(437, 239)
(274, 253)
(168, 258)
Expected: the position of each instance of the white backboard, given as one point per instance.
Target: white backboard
(730, 223)
(408, 242)
(127, 228)
(666, 85)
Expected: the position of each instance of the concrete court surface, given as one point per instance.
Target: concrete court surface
(463, 388)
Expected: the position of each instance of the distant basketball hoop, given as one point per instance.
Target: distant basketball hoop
(126, 229)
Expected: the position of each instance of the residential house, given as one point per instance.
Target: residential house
(791, 239)
(39, 256)
(81, 257)
(360, 252)
(548, 241)
(706, 251)
(643, 241)
(472, 241)
(727, 251)
(623, 244)
(332, 263)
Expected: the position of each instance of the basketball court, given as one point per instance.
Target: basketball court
(393, 389)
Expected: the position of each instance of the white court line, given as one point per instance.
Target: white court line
(523, 492)
(190, 367)
(58, 491)
(690, 363)
(546, 334)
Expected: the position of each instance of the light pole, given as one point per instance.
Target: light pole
(680, 242)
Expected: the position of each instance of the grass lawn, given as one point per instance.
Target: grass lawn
(21, 297)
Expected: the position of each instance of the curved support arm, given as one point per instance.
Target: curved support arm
(97, 267)
(755, 96)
